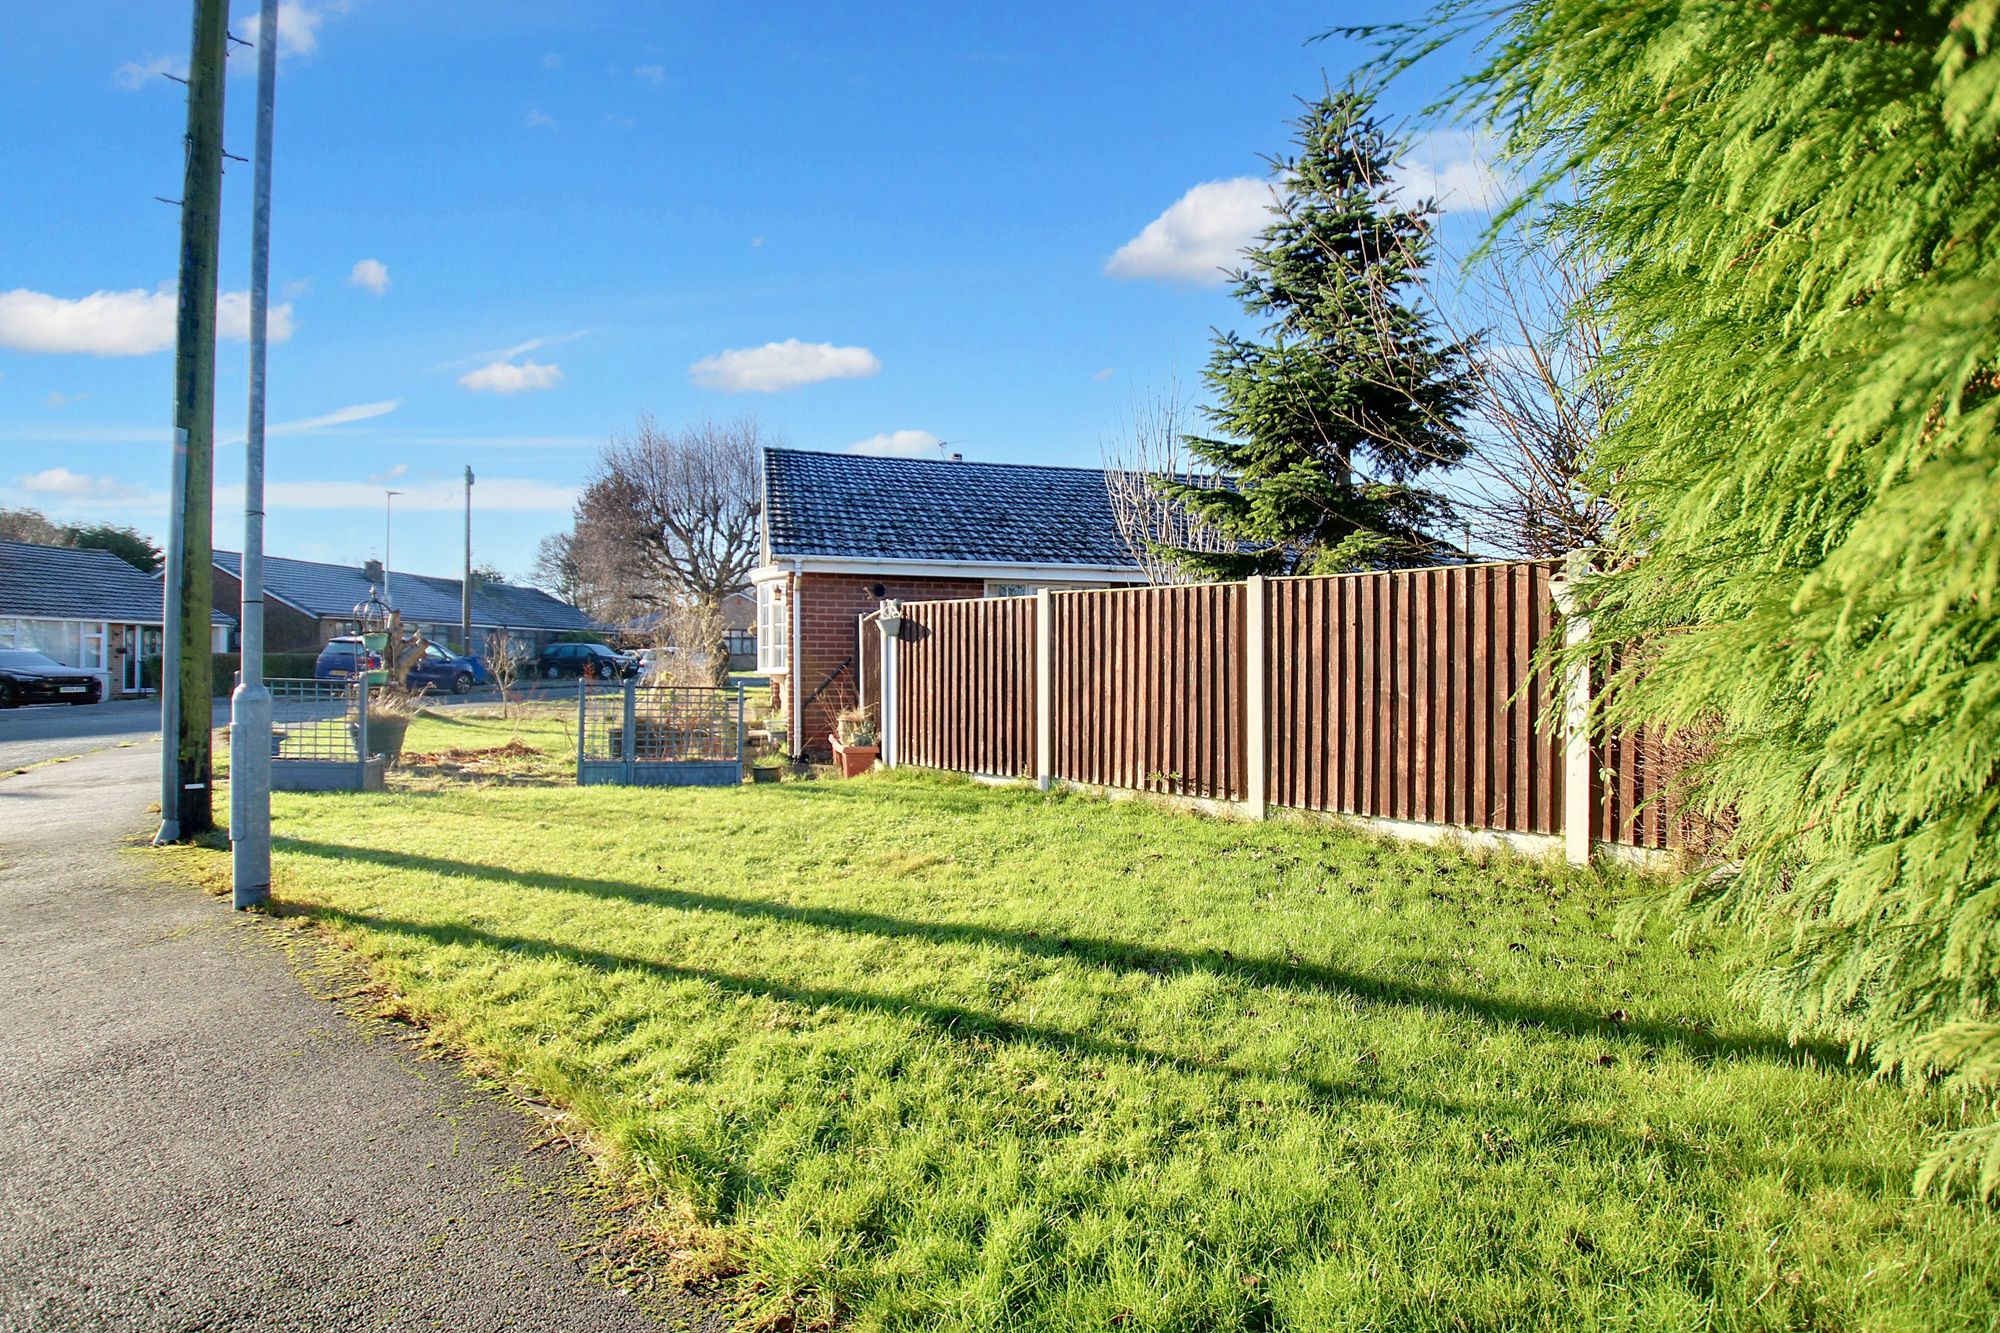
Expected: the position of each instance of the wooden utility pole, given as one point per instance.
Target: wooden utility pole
(186, 679)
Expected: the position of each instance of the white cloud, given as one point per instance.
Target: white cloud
(509, 377)
(1457, 169)
(136, 74)
(1104, 374)
(399, 470)
(232, 318)
(653, 74)
(298, 25)
(372, 274)
(1201, 235)
(64, 399)
(340, 416)
(535, 120)
(899, 444)
(778, 366)
(509, 353)
(552, 61)
(128, 323)
(59, 484)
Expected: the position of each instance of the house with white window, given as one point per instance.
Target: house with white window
(89, 610)
(843, 532)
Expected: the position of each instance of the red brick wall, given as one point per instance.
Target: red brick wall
(829, 607)
(286, 629)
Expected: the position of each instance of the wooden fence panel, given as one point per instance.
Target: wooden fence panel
(1411, 695)
(1408, 695)
(965, 675)
(1632, 773)
(1149, 689)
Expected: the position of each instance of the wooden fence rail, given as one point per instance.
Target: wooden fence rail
(1411, 696)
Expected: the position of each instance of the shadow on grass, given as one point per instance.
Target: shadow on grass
(1120, 956)
(1689, 1150)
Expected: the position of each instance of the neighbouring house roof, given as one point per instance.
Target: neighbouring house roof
(326, 591)
(851, 506)
(63, 583)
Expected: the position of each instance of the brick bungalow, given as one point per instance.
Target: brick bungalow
(843, 532)
(307, 602)
(87, 609)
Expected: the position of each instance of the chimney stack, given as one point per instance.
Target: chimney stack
(372, 571)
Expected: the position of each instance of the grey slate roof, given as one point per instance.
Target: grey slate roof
(59, 583)
(333, 591)
(852, 505)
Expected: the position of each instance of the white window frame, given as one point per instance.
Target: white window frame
(1028, 587)
(773, 619)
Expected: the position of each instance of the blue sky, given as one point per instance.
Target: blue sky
(503, 231)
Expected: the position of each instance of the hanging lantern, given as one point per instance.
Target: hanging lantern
(372, 616)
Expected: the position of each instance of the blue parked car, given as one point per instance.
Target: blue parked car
(347, 656)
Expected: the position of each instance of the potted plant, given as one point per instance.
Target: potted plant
(856, 741)
(389, 715)
(768, 769)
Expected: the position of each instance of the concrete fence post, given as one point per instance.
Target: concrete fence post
(1256, 698)
(1576, 722)
(1045, 689)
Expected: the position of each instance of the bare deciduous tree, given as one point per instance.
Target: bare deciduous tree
(670, 517)
(1542, 399)
(1151, 523)
(555, 571)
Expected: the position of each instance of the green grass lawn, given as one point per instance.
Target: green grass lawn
(910, 1053)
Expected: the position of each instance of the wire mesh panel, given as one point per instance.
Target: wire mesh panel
(659, 735)
(319, 736)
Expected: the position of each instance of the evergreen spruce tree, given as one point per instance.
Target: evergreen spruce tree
(1800, 204)
(1323, 428)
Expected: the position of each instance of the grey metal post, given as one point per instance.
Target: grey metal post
(361, 736)
(250, 704)
(739, 730)
(629, 747)
(465, 584)
(582, 719)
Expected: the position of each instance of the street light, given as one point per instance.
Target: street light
(388, 535)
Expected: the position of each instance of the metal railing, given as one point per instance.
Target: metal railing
(318, 721)
(659, 735)
(319, 736)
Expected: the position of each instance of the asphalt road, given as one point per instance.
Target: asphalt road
(193, 1137)
(53, 731)
(56, 731)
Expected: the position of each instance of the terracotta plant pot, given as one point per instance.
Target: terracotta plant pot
(854, 760)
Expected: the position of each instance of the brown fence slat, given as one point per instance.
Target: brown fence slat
(1409, 694)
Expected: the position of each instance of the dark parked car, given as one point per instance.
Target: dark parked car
(345, 658)
(31, 678)
(348, 656)
(441, 670)
(585, 659)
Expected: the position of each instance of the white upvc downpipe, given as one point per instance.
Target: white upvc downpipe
(792, 672)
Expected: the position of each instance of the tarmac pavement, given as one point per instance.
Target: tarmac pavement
(193, 1137)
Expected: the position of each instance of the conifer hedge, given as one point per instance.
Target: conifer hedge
(1800, 205)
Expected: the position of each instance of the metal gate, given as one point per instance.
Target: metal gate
(636, 735)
